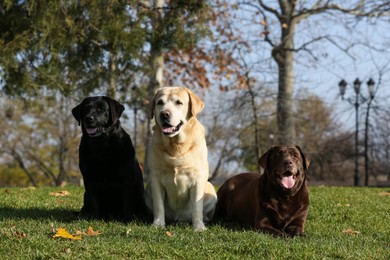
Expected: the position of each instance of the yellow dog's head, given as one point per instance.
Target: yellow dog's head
(172, 107)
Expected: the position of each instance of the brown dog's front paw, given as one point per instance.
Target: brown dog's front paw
(296, 232)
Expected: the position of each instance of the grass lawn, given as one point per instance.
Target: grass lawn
(343, 223)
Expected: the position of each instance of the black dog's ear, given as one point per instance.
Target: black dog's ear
(306, 161)
(116, 109)
(263, 160)
(76, 112)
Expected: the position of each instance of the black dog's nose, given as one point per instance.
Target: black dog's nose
(89, 119)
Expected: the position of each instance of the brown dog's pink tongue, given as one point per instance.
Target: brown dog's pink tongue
(288, 182)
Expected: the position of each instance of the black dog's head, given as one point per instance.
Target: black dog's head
(96, 114)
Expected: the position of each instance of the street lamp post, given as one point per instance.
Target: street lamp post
(371, 91)
(359, 99)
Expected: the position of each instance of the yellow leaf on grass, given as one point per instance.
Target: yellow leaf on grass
(351, 231)
(91, 232)
(384, 193)
(63, 233)
(169, 234)
(62, 193)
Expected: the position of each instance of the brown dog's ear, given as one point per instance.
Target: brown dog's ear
(116, 109)
(264, 158)
(197, 105)
(306, 161)
(76, 112)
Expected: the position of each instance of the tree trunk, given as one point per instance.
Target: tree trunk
(156, 77)
(255, 122)
(283, 54)
(111, 91)
(20, 162)
(62, 150)
(285, 119)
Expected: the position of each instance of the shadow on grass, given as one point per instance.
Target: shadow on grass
(63, 215)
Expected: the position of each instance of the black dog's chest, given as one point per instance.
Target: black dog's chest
(101, 159)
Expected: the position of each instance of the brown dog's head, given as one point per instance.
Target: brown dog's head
(285, 167)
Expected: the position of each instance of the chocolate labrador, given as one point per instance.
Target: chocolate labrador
(112, 175)
(275, 202)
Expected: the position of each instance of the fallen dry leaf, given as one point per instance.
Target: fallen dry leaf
(91, 232)
(62, 193)
(169, 234)
(63, 233)
(351, 231)
(12, 231)
(128, 232)
(386, 193)
(343, 205)
(19, 234)
(52, 228)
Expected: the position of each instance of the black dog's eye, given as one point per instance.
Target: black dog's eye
(178, 102)
(160, 102)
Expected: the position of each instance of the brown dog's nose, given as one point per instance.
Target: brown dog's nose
(288, 162)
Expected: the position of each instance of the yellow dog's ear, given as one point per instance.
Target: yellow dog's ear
(196, 104)
(153, 105)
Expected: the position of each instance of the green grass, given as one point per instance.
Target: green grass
(34, 212)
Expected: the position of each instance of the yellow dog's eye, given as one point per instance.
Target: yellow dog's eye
(178, 102)
(160, 102)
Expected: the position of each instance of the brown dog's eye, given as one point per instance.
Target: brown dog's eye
(160, 102)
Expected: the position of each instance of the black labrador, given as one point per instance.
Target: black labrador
(112, 176)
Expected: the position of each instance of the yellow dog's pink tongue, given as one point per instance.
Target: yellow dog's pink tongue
(288, 182)
(169, 130)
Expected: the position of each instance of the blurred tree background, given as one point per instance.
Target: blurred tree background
(239, 56)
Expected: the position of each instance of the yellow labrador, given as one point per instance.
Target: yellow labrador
(178, 166)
